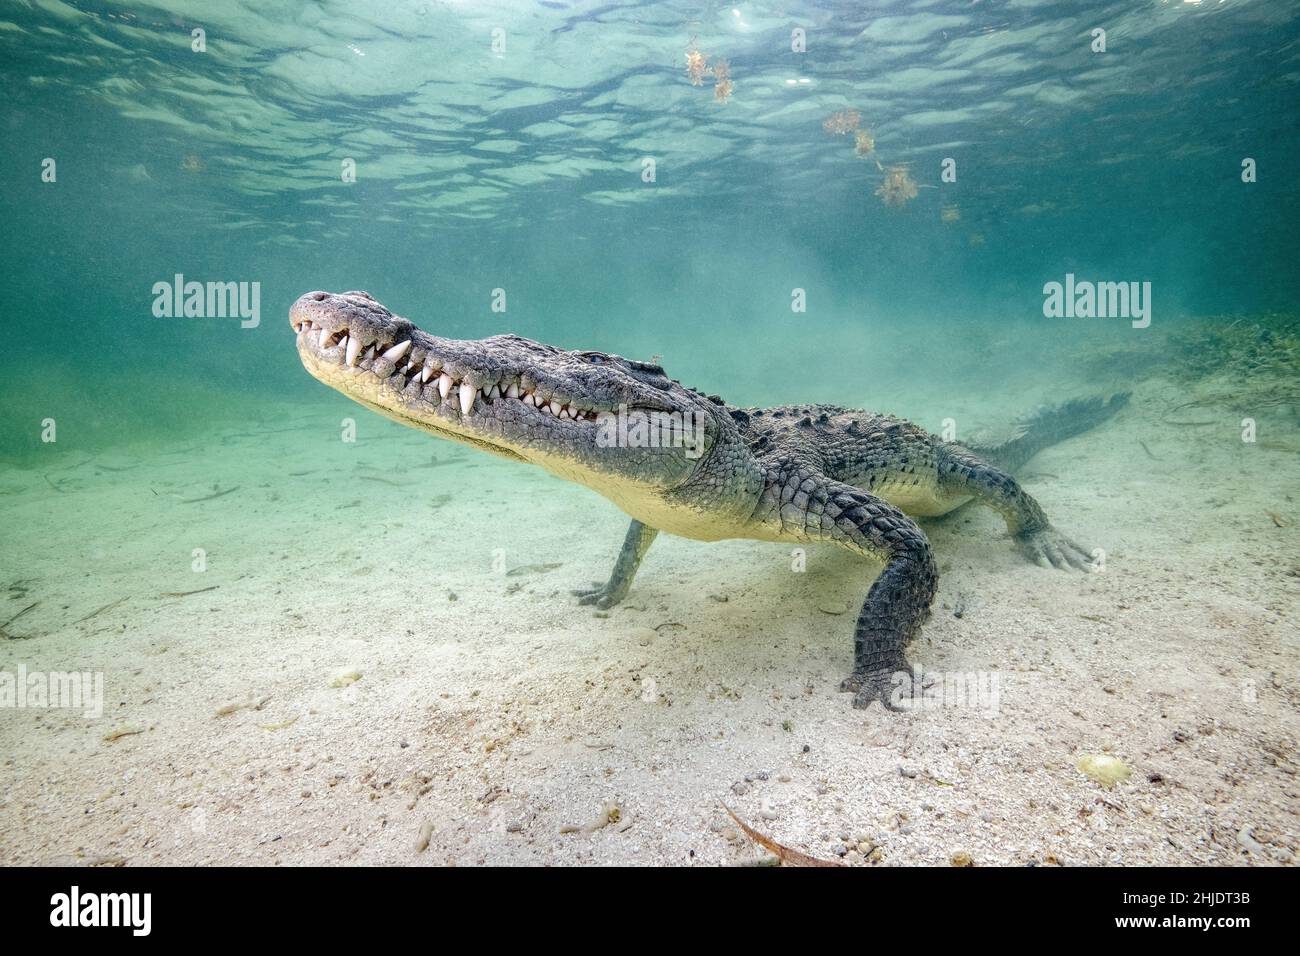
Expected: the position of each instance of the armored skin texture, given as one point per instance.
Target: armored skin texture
(689, 464)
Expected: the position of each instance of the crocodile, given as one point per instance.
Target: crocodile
(685, 463)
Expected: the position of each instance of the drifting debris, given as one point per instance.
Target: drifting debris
(533, 569)
(282, 724)
(101, 610)
(785, 854)
(841, 122)
(898, 186)
(4, 634)
(229, 709)
(179, 594)
(722, 81)
(610, 812)
(215, 494)
(395, 484)
(123, 732)
(696, 65)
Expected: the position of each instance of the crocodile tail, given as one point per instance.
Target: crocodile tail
(1047, 425)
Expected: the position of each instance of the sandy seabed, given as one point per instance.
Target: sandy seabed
(496, 721)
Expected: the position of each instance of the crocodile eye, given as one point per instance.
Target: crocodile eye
(595, 358)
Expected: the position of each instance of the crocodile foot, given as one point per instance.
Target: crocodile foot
(601, 595)
(893, 687)
(1047, 547)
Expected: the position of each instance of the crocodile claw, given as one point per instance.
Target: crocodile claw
(890, 687)
(600, 595)
(1048, 548)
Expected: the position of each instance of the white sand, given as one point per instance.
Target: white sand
(502, 716)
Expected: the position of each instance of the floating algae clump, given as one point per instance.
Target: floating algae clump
(845, 121)
(897, 187)
(722, 81)
(697, 66)
(864, 144)
(1103, 768)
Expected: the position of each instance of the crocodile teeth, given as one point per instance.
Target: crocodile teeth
(397, 351)
(444, 385)
(320, 339)
(369, 354)
(513, 390)
(467, 393)
(426, 373)
(353, 349)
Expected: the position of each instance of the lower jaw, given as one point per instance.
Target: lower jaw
(427, 420)
(402, 417)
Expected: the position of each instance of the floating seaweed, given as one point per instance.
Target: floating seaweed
(697, 65)
(898, 186)
(864, 143)
(722, 78)
(845, 121)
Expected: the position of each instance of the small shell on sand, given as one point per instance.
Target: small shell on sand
(1103, 768)
(345, 677)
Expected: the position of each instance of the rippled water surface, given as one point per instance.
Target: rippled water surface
(506, 145)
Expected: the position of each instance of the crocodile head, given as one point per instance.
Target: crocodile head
(584, 416)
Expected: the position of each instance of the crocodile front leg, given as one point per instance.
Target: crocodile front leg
(811, 507)
(635, 545)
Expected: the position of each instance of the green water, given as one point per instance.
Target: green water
(503, 146)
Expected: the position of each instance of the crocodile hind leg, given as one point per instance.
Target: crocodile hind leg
(963, 472)
(816, 508)
(635, 545)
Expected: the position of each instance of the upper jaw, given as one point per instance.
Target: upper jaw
(360, 347)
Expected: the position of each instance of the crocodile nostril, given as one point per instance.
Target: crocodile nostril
(319, 296)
